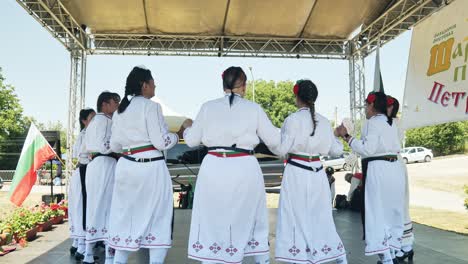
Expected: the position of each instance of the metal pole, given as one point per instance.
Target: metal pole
(253, 84)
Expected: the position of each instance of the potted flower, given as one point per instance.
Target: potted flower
(22, 226)
(57, 214)
(64, 207)
(42, 218)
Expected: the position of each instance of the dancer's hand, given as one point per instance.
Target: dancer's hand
(186, 124)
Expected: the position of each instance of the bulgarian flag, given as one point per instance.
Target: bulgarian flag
(36, 151)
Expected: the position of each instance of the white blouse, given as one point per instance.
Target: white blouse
(98, 134)
(141, 124)
(296, 136)
(243, 124)
(79, 149)
(378, 138)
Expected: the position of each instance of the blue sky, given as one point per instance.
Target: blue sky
(39, 68)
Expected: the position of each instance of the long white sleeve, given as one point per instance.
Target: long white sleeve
(158, 133)
(369, 145)
(270, 134)
(287, 137)
(193, 135)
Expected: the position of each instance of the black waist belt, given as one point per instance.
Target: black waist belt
(110, 155)
(304, 166)
(142, 160)
(246, 151)
(364, 165)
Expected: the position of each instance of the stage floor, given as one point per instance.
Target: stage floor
(432, 246)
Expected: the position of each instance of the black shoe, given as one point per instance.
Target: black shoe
(79, 256)
(89, 262)
(409, 255)
(99, 244)
(73, 250)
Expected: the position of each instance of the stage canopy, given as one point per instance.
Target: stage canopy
(253, 28)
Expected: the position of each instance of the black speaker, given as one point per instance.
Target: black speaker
(53, 137)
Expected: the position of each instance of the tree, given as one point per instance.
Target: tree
(13, 126)
(11, 112)
(443, 139)
(276, 98)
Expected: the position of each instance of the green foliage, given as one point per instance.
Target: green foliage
(466, 199)
(11, 112)
(276, 98)
(443, 139)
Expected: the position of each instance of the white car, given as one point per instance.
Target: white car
(416, 154)
(337, 163)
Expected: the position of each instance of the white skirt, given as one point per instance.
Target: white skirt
(75, 206)
(305, 231)
(142, 206)
(99, 186)
(408, 235)
(384, 206)
(229, 216)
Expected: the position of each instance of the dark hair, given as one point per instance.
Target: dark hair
(233, 77)
(84, 114)
(106, 97)
(380, 105)
(135, 80)
(308, 94)
(396, 108)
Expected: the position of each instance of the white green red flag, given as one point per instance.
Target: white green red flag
(36, 151)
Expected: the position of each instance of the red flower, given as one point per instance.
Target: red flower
(54, 207)
(390, 101)
(371, 98)
(296, 89)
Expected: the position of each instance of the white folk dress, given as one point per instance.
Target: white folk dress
(75, 197)
(229, 216)
(99, 178)
(384, 187)
(305, 231)
(142, 204)
(408, 235)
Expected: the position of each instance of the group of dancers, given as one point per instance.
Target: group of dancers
(121, 192)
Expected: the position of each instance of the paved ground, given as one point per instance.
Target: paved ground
(433, 246)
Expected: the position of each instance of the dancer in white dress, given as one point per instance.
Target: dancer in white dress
(229, 217)
(383, 180)
(76, 209)
(142, 201)
(305, 232)
(100, 175)
(393, 106)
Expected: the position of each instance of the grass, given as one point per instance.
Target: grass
(439, 219)
(445, 184)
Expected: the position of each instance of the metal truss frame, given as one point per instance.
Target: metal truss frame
(55, 18)
(76, 98)
(221, 46)
(398, 18)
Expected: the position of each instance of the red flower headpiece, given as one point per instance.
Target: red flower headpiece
(390, 101)
(370, 98)
(296, 89)
(222, 75)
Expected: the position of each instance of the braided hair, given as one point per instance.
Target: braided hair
(307, 92)
(84, 114)
(380, 104)
(134, 84)
(233, 77)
